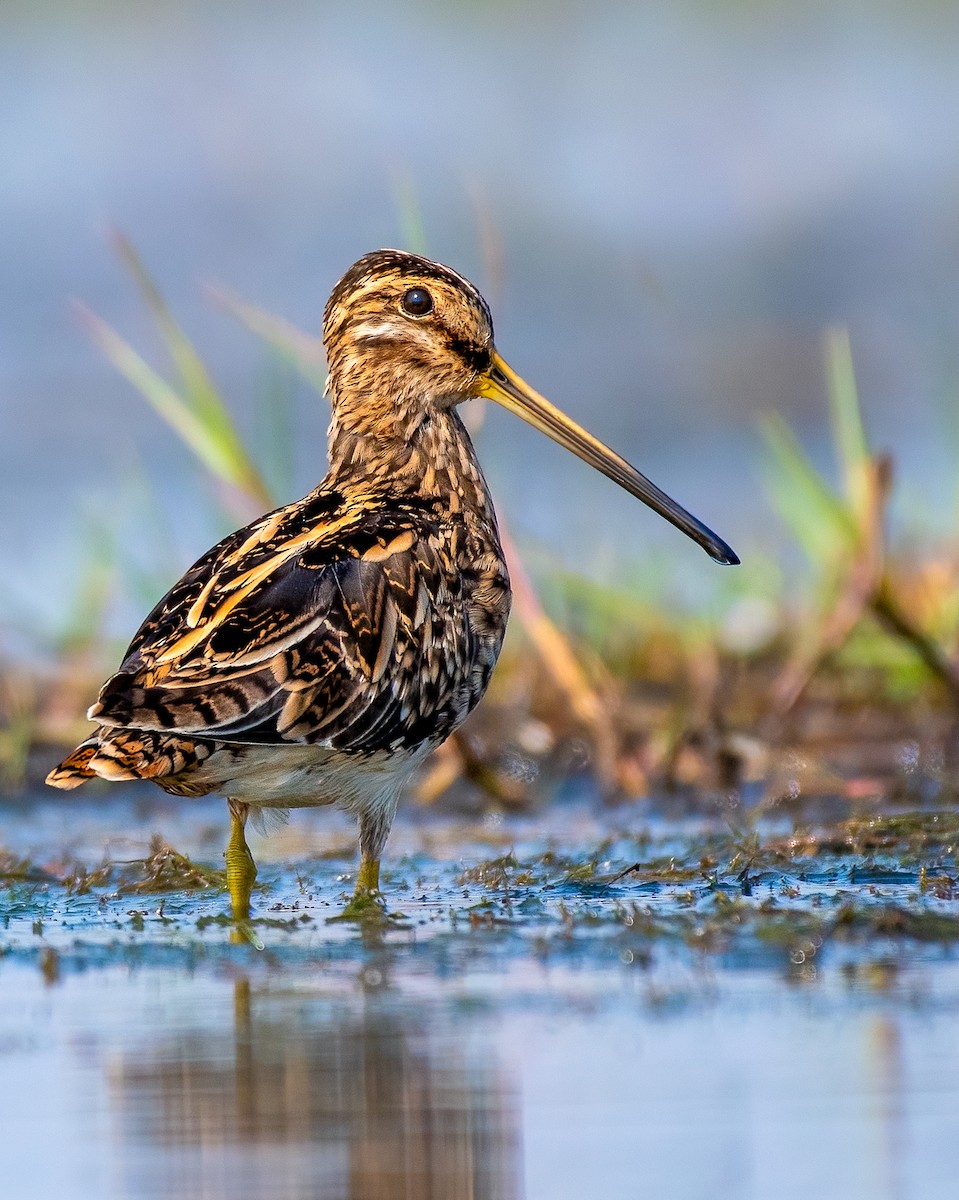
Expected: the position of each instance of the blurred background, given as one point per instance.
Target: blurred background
(666, 205)
(678, 213)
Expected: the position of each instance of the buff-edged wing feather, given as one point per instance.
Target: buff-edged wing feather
(350, 633)
(177, 611)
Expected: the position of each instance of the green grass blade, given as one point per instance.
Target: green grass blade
(304, 350)
(818, 518)
(848, 432)
(226, 458)
(198, 393)
(198, 388)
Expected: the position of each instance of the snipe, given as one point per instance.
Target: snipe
(318, 655)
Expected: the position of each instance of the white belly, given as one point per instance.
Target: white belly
(305, 777)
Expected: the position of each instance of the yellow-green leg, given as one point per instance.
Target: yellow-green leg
(240, 867)
(366, 900)
(367, 878)
(366, 903)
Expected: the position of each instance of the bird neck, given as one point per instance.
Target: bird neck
(409, 453)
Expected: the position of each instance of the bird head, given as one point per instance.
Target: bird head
(406, 337)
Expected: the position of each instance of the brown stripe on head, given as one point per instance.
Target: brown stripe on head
(369, 273)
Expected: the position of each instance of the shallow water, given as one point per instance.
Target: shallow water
(525, 1025)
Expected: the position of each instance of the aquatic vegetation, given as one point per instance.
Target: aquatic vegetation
(162, 870)
(709, 891)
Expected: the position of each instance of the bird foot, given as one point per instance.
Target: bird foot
(364, 905)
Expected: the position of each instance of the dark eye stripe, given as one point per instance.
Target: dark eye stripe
(477, 358)
(417, 302)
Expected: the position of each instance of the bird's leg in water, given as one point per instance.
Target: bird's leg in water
(367, 878)
(366, 899)
(240, 867)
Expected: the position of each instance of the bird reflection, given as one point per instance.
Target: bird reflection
(333, 1097)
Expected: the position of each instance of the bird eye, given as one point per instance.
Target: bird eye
(417, 302)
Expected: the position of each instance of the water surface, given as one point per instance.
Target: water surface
(528, 1025)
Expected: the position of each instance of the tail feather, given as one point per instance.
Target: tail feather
(116, 754)
(75, 768)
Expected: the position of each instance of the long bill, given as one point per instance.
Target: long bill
(502, 384)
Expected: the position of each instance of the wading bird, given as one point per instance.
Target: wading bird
(319, 654)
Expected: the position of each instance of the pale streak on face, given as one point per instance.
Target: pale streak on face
(378, 329)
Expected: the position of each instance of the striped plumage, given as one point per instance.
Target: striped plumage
(318, 654)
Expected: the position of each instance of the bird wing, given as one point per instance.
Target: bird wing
(333, 622)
